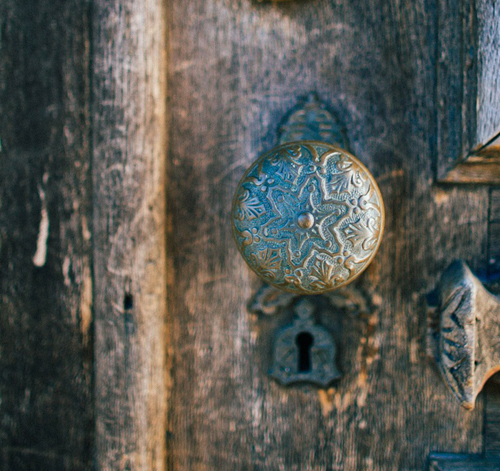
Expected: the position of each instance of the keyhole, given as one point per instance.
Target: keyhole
(304, 342)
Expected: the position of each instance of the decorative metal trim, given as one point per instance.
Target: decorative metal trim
(322, 369)
(466, 340)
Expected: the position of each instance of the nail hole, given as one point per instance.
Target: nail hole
(128, 301)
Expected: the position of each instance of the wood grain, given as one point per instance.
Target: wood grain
(46, 415)
(129, 138)
(488, 80)
(456, 88)
(494, 235)
(235, 69)
(479, 168)
(468, 91)
(463, 463)
(494, 250)
(495, 205)
(492, 421)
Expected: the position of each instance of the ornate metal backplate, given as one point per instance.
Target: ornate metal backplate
(304, 352)
(311, 121)
(308, 217)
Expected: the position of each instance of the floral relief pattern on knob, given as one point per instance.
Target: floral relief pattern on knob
(308, 217)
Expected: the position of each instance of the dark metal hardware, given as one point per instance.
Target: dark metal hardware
(304, 352)
(465, 341)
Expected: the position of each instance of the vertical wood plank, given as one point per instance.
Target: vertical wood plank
(488, 81)
(456, 82)
(46, 419)
(492, 418)
(495, 205)
(129, 134)
(235, 69)
(494, 249)
(494, 234)
(468, 88)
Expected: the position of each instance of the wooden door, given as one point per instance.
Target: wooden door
(126, 341)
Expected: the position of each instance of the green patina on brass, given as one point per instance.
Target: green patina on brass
(308, 216)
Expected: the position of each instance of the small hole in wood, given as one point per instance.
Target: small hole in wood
(128, 301)
(304, 342)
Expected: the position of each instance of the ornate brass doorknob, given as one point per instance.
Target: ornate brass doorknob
(308, 216)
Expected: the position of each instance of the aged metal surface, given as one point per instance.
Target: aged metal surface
(308, 217)
(467, 342)
(351, 299)
(304, 352)
(311, 121)
(346, 301)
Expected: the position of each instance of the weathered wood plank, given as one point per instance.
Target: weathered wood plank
(492, 422)
(481, 168)
(456, 82)
(448, 462)
(235, 69)
(495, 205)
(494, 235)
(129, 134)
(490, 458)
(468, 91)
(46, 417)
(494, 249)
(488, 79)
